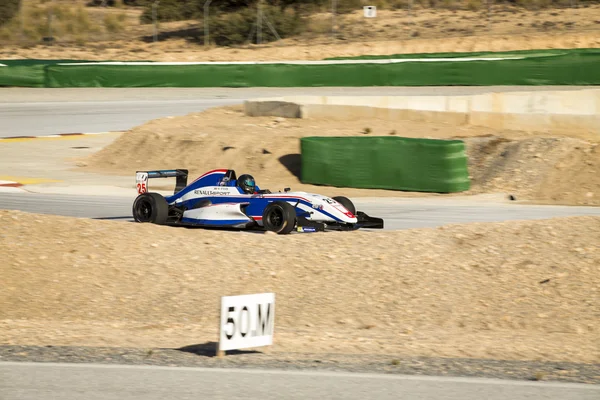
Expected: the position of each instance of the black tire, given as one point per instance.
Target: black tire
(279, 217)
(346, 203)
(150, 207)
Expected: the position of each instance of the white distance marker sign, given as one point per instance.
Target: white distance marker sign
(247, 321)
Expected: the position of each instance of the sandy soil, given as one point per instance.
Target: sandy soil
(514, 290)
(392, 32)
(531, 166)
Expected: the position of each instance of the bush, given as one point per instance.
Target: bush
(236, 27)
(110, 3)
(171, 10)
(174, 10)
(114, 23)
(348, 6)
(8, 9)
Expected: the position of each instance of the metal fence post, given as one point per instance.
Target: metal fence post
(489, 14)
(154, 19)
(22, 18)
(50, 17)
(206, 31)
(259, 23)
(333, 11)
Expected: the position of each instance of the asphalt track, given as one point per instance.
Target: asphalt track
(42, 112)
(33, 112)
(30, 381)
(397, 213)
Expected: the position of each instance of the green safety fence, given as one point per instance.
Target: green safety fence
(572, 69)
(384, 162)
(23, 76)
(552, 67)
(28, 72)
(475, 54)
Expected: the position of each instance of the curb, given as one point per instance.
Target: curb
(10, 184)
(60, 135)
(10, 187)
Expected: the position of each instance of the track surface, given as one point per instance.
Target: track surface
(30, 381)
(38, 112)
(397, 213)
(42, 112)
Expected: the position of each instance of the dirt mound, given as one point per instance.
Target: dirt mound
(515, 290)
(530, 166)
(543, 170)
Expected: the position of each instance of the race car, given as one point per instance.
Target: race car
(220, 199)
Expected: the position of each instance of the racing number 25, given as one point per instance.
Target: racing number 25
(141, 187)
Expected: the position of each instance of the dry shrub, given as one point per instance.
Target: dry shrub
(318, 25)
(237, 27)
(67, 22)
(8, 10)
(114, 23)
(474, 5)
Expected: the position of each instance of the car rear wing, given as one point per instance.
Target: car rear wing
(141, 178)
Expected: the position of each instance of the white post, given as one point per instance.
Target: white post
(154, 19)
(206, 31)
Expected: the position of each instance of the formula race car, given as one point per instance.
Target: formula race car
(220, 199)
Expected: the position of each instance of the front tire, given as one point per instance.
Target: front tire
(346, 203)
(279, 217)
(150, 207)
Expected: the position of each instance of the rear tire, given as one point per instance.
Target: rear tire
(279, 217)
(346, 203)
(150, 207)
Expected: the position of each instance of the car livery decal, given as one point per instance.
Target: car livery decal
(227, 199)
(214, 171)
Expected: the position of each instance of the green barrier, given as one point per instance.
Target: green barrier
(572, 69)
(26, 73)
(475, 54)
(384, 162)
(23, 76)
(36, 61)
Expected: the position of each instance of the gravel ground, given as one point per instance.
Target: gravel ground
(203, 356)
(518, 290)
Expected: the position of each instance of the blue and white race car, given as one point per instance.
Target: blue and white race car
(219, 199)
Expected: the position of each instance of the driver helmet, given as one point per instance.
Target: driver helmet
(246, 182)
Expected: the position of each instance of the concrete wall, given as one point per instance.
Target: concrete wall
(551, 111)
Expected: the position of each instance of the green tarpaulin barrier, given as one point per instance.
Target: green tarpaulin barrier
(27, 73)
(383, 162)
(528, 67)
(573, 69)
(23, 76)
(474, 54)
